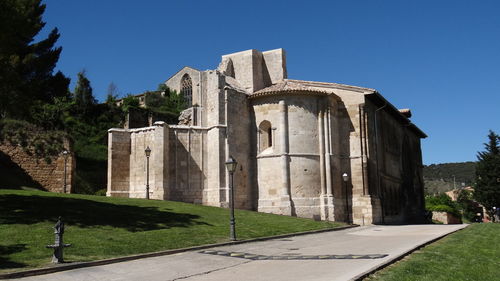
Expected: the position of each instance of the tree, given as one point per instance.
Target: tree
(468, 206)
(166, 103)
(112, 93)
(84, 99)
(487, 189)
(129, 102)
(26, 67)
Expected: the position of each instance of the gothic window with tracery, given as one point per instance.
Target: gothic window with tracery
(187, 89)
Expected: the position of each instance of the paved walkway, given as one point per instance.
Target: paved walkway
(337, 255)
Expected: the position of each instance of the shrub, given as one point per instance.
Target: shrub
(101, 192)
(442, 203)
(43, 144)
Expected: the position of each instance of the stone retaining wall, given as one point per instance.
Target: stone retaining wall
(446, 218)
(49, 175)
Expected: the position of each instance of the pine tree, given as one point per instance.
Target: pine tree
(487, 189)
(26, 67)
(84, 99)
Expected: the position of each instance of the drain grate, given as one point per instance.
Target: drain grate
(292, 257)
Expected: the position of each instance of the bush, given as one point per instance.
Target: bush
(444, 208)
(442, 203)
(101, 192)
(468, 206)
(90, 175)
(43, 144)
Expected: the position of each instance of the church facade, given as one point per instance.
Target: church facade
(317, 150)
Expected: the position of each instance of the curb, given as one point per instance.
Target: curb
(381, 266)
(76, 265)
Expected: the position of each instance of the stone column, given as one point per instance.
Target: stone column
(327, 198)
(321, 137)
(362, 202)
(285, 204)
(328, 152)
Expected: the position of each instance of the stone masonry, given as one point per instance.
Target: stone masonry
(293, 140)
(49, 176)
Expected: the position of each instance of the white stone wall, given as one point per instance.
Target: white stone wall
(255, 70)
(118, 163)
(127, 162)
(188, 168)
(239, 146)
(291, 168)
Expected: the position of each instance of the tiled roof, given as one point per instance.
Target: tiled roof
(299, 86)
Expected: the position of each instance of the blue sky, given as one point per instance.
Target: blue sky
(439, 58)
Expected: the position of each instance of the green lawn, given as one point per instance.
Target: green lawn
(470, 254)
(102, 227)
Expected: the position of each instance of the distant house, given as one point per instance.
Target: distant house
(453, 194)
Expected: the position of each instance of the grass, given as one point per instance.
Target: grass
(470, 254)
(103, 227)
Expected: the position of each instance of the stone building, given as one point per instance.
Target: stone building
(293, 140)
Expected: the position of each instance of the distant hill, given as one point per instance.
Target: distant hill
(439, 177)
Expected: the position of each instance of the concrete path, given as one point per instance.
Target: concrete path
(324, 256)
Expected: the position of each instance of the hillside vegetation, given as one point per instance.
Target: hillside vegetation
(440, 177)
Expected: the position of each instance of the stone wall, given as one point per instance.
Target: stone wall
(174, 83)
(301, 136)
(128, 164)
(255, 70)
(445, 218)
(49, 176)
(187, 164)
(240, 147)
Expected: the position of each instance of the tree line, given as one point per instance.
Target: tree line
(33, 93)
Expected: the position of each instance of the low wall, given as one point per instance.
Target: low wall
(50, 176)
(446, 218)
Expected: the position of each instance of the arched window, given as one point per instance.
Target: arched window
(187, 89)
(265, 135)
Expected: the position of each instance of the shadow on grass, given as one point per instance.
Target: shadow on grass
(16, 209)
(7, 250)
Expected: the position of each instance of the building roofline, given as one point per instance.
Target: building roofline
(331, 85)
(291, 86)
(391, 109)
(180, 71)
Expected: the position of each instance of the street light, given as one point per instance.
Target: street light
(65, 154)
(148, 153)
(345, 178)
(231, 167)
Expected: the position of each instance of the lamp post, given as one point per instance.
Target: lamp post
(65, 154)
(231, 167)
(345, 178)
(148, 153)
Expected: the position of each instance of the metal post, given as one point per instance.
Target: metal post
(65, 170)
(65, 154)
(232, 231)
(346, 202)
(147, 177)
